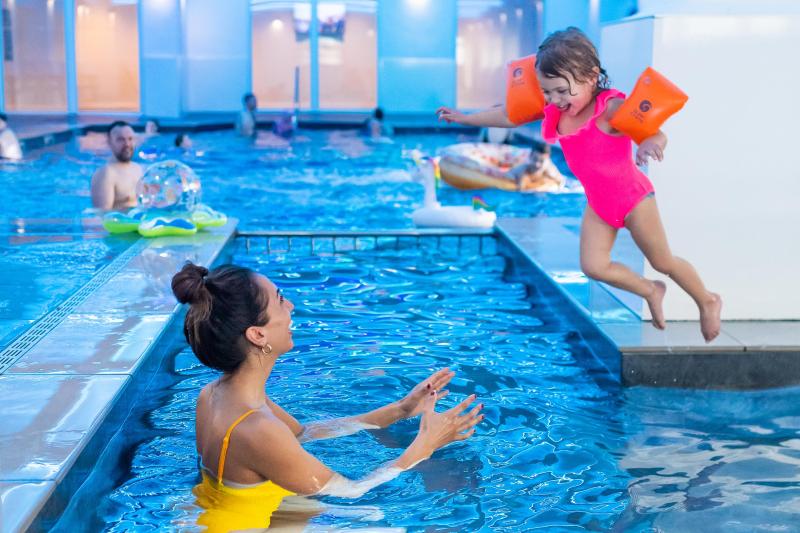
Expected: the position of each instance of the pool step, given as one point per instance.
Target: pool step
(746, 355)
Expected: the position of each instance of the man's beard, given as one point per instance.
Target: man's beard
(124, 156)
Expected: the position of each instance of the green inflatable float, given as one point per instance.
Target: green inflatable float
(168, 197)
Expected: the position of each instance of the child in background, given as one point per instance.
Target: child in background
(580, 105)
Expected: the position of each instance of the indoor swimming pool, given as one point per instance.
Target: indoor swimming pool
(561, 449)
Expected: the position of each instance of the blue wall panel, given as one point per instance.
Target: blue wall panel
(416, 55)
(217, 54)
(161, 50)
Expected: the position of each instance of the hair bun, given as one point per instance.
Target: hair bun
(188, 285)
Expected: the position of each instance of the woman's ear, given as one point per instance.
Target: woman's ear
(256, 335)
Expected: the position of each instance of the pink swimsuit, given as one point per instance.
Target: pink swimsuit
(603, 163)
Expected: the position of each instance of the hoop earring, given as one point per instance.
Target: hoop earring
(268, 350)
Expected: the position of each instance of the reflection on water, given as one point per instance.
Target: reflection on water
(556, 451)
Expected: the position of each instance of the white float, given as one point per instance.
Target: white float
(432, 214)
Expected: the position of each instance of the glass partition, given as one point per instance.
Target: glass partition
(281, 53)
(491, 33)
(34, 64)
(347, 54)
(107, 55)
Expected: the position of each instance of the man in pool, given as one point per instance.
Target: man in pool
(246, 120)
(114, 184)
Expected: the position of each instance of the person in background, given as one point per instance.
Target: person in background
(539, 173)
(375, 126)
(9, 145)
(246, 120)
(284, 126)
(151, 127)
(114, 184)
(183, 141)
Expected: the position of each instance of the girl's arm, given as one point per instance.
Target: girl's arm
(494, 117)
(270, 448)
(408, 407)
(652, 148)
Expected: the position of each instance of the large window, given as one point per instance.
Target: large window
(281, 53)
(107, 55)
(34, 61)
(347, 54)
(491, 33)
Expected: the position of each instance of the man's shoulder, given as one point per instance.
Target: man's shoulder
(101, 172)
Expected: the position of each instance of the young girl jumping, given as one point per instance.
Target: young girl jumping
(580, 105)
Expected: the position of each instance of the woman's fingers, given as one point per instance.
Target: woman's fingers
(442, 378)
(464, 436)
(475, 410)
(459, 408)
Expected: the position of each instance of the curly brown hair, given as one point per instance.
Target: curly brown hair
(571, 52)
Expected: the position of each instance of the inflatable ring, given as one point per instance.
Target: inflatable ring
(160, 226)
(205, 217)
(118, 222)
(484, 166)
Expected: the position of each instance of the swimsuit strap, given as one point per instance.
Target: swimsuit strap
(225, 442)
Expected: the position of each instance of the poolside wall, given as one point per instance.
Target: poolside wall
(729, 184)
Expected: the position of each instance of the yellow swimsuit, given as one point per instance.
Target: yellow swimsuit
(234, 506)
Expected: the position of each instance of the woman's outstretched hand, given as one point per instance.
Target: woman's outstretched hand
(440, 429)
(414, 401)
(451, 115)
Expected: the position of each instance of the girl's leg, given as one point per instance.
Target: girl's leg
(644, 223)
(597, 239)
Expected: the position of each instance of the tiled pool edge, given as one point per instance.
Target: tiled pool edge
(747, 355)
(38, 507)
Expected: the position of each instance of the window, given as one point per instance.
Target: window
(281, 53)
(491, 33)
(347, 54)
(34, 67)
(107, 55)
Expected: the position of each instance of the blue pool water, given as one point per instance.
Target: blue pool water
(557, 451)
(325, 179)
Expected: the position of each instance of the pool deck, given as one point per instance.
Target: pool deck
(63, 386)
(746, 355)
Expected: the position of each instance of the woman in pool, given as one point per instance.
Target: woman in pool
(250, 448)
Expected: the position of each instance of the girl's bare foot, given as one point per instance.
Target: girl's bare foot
(709, 317)
(654, 302)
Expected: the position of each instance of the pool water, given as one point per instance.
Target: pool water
(327, 179)
(556, 452)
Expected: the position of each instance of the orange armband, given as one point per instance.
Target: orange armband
(524, 98)
(654, 99)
